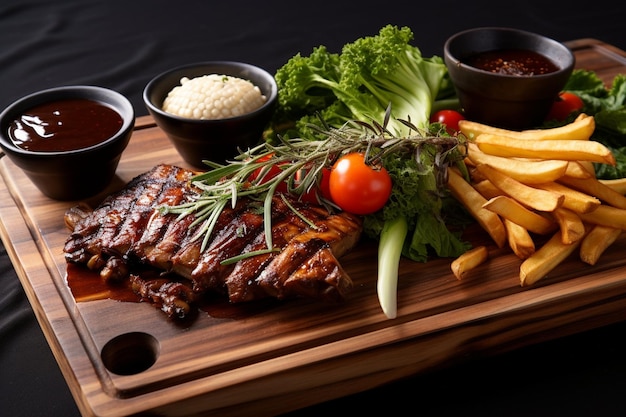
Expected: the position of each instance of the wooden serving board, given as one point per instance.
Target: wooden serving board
(271, 358)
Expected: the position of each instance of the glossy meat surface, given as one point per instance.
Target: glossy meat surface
(127, 233)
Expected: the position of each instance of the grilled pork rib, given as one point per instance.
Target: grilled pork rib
(126, 232)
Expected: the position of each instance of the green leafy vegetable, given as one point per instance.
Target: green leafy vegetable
(376, 78)
(360, 83)
(608, 106)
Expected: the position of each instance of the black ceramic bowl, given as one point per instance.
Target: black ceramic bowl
(504, 100)
(216, 140)
(70, 174)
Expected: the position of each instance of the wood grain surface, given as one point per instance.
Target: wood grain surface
(275, 357)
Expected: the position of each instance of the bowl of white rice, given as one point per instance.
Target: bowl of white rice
(212, 110)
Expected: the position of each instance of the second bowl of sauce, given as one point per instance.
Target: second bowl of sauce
(507, 77)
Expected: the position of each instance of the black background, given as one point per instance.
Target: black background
(122, 44)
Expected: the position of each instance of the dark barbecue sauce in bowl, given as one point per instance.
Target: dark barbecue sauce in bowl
(519, 62)
(64, 125)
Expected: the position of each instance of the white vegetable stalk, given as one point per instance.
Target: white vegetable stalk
(389, 252)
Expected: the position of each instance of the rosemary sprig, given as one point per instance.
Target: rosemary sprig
(301, 163)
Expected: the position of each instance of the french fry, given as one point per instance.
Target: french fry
(606, 215)
(588, 166)
(618, 185)
(545, 259)
(596, 242)
(565, 149)
(524, 170)
(573, 199)
(487, 189)
(570, 224)
(578, 169)
(473, 201)
(542, 181)
(520, 241)
(509, 208)
(579, 129)
(468, 261)
(594, 187)
(538, 199)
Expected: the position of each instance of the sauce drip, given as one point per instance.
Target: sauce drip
(518, 62)
(87, 285)
(64, 125)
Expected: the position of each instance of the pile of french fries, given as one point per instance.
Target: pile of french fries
(540, 183)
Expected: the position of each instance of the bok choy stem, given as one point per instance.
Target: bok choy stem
(389, 252)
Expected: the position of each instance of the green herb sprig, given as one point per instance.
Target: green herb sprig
(301, 162)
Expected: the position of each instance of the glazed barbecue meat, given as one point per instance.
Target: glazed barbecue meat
(125, 233)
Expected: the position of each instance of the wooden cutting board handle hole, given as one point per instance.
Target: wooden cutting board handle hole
(130, 353)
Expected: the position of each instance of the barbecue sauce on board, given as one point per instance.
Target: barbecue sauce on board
(87, 285)
(64, 125)
(518, 62)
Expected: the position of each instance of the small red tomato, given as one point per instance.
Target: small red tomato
(449, 118)
(565, 104)
(325, 184)
(357, 187)
(323, 189)
(272, 172)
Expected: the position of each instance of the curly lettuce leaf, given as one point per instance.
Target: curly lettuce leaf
(608, 106)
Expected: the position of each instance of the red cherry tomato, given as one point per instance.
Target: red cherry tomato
(449, 118)
(565, 104)
(325, 184)
(324, 188)
(273, 171)
(357, 187)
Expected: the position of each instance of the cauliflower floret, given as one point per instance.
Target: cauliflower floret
(213, 96)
